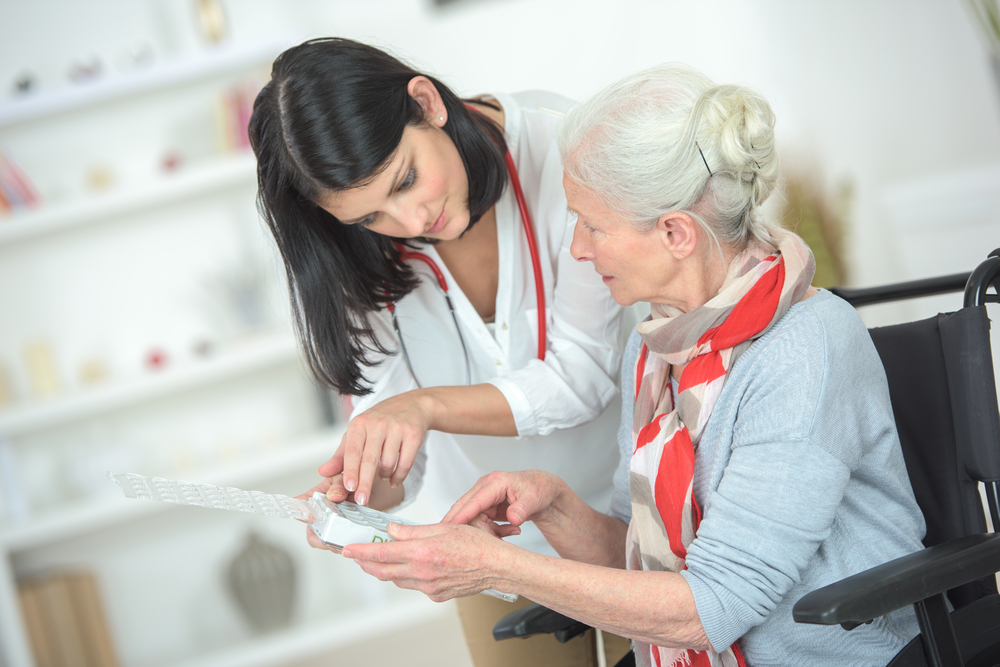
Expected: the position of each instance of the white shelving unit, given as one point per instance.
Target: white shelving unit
(101, 513)
(311, 639)
(260, 354)
(166, 74)
(108, 512)
(71, 532)
(198, 181)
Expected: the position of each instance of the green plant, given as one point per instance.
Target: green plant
(987, 14)
(821, 221)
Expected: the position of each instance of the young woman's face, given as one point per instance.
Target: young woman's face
(423, 191)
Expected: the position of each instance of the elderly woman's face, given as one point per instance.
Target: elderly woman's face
(631, 262)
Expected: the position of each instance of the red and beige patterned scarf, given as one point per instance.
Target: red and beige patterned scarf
(760, 286)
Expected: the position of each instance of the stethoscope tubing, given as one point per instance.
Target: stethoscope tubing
(443, 285)
(536, 264)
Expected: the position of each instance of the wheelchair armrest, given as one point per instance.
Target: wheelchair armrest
(902, 582)
(536, 619)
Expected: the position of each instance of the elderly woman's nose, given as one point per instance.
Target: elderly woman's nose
(580, 247)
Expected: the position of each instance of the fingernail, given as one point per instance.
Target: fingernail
(349, 485)
(361, 498)
(346, 553)
(393, 484)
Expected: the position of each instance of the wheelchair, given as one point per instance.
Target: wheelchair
(948, 421)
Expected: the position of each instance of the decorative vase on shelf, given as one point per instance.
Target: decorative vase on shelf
(211, 20)
(262, 580)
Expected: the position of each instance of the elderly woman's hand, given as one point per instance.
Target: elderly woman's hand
(443, 561)
(515, 497)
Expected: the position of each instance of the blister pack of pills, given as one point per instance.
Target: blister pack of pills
(216, 497)
(348, 523)
(336, 524)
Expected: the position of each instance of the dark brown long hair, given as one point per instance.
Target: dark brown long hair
(329, 119)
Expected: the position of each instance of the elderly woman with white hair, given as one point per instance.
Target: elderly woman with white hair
(760, 459)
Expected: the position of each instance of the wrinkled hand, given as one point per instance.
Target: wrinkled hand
(514, 497)
(443, 561)
(383, 441)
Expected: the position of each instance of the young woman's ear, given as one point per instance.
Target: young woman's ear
(427, 96)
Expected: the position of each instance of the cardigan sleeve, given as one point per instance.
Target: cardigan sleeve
(780, 490)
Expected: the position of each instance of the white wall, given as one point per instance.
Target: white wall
(879, 93)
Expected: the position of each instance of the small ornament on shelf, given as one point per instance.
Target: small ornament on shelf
(99, 178)
(25, 83)
(203, 348)
(6, 392)
(93, 371)
(211, 20)
(156, 359)
(233, 109)
(85, 70)
(42, 374)
(136, 55)
(170, 162)
(237, 300)
(16, 190)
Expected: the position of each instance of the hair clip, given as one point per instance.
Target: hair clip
(710, 174)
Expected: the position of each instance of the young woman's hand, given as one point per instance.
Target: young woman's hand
(514, 497)
(383, 497)
(381, 442)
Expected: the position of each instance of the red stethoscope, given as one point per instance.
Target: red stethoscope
(536, 264)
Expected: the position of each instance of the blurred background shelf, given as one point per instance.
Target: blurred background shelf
(325, 635)
(113, 508)
(248, 357)
(142, 79)
(208, 178)
(181, 306)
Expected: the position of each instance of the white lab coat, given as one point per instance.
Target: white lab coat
(566, 407)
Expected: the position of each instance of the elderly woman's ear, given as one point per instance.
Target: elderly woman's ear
(677, 233)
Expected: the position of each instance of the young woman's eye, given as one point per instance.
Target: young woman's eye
(367, 221)
(411, 176)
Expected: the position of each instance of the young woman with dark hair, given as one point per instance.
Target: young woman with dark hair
(383, 189)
